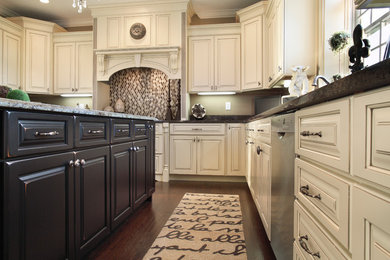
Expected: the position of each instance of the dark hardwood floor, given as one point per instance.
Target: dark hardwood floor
(133, 239)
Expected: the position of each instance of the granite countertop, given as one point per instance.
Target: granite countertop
(370, 78)
(213, 119)
(10, 103)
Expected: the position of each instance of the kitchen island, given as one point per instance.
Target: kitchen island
(69, 177)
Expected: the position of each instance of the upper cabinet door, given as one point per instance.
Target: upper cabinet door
(227, 63)
(38, 61)
(201, 63)
(252, 47)
(371, 142)
(11, 60)
(84, 67)
(64, 59)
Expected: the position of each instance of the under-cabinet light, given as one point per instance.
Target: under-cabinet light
(215, 93)
(44, 1)
(76, 95)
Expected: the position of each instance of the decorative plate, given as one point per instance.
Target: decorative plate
(137, 31)
(198, 111)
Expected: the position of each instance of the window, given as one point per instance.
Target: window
(376, 25)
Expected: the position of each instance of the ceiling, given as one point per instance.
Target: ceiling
(62, 12)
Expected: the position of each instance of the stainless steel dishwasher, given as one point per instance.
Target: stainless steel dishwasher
(282, 186)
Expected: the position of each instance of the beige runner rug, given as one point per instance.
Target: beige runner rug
(202, 227)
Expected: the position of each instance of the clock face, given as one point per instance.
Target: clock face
(137, 31)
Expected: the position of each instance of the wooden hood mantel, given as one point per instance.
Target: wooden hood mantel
(165, 59)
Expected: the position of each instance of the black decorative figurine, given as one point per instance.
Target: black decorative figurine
(360, 49)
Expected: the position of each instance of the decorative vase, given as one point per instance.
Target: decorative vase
(108, 109)
(119, 106)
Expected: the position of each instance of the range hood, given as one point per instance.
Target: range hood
(165, 59)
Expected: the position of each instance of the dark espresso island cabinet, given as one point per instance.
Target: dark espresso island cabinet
(69, 179)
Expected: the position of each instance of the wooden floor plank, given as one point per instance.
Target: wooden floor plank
(133, 239)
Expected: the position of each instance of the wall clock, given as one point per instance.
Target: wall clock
(137, 31)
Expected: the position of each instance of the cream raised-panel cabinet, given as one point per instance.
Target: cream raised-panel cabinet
(214, 58)
(38, 62)
(183, 154)
(10, 54)
(371, 141)
(236, 150)
(73, 62)
(201, 63)
(263, 194)
(197, 155)
(38, 54)
(252, 22)
(291, 38)
(210, 155)
(370, 225)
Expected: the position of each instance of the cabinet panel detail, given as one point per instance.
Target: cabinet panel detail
(323, 133)
(371, 142)
(370, 226)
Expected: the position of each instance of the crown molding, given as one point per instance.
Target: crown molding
(223, 13)
(74, 22)
(6, 12)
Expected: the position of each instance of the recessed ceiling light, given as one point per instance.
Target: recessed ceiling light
(45, 1)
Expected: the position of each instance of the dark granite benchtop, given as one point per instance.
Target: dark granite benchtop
(370, 78)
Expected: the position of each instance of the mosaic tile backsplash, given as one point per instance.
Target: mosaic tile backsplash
(145, 92)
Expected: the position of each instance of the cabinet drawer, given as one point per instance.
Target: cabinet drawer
(140, 129)
(121, 130)
(325, 196)
(31, 133)
(263, 130)
(91, 131)
(370, 236)
(322, 133)
(371, 142)
(310, 238)
(198, 129)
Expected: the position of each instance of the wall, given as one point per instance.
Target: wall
(145, 92)
(62, 101)
(241, 104)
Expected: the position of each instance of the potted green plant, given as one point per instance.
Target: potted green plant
(338, 42)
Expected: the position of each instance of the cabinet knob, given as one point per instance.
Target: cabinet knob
(269, 79)
(71, 163)
(258, 83)
(137, 148)
(279, 68)
(82, 162)
(77, 163)
(72, 89)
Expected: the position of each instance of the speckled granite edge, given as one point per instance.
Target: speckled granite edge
(16, 104)
(371, 78)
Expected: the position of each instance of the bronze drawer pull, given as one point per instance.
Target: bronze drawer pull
(197, 129)
(308, 133)
(305, 191)
(95, 131)
(306, 248)
(46, 134)
(260, 130)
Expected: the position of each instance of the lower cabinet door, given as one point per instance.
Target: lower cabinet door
(182, 155)
(370, 236)
(211, 155)
(141, 167)
(121, 183)
(92, 198)
(38, 208)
